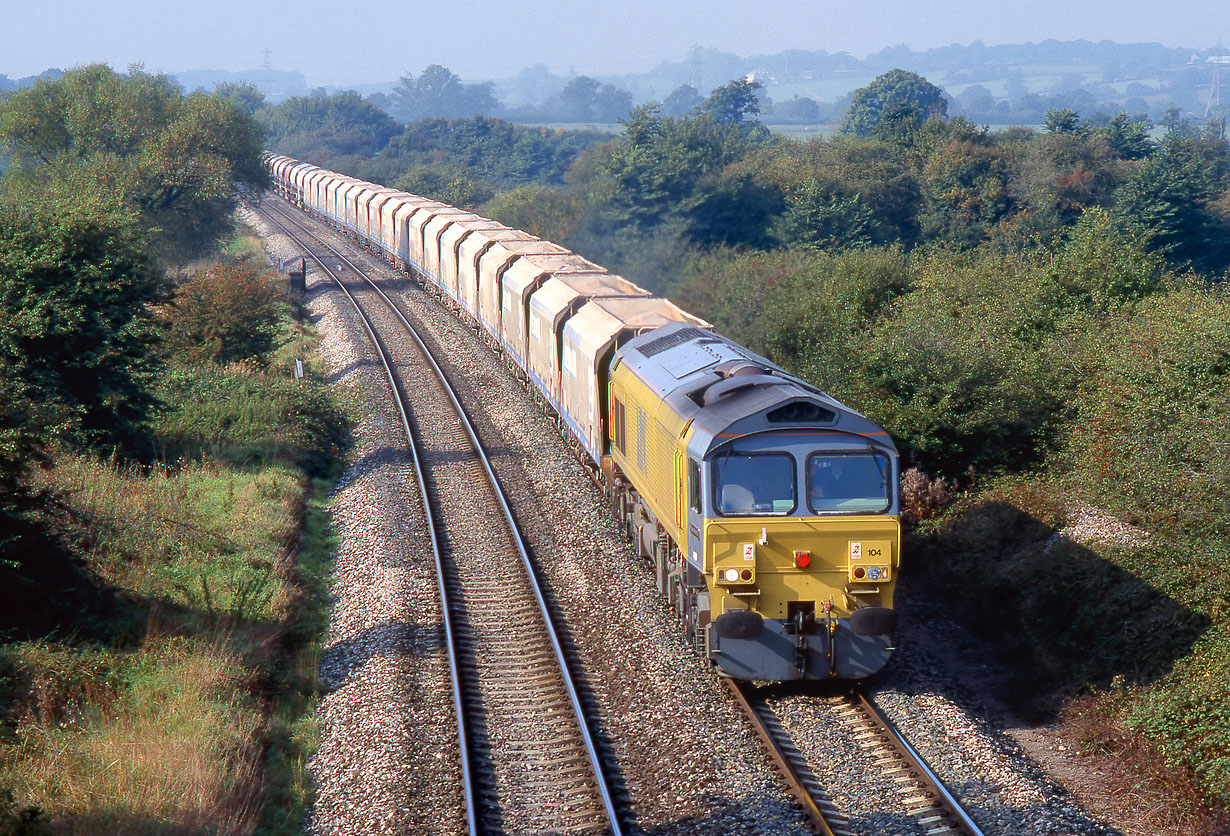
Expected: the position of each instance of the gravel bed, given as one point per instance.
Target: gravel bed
(686, 756)
(941, 692)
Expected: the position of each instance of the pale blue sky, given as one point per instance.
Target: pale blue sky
(337, 42)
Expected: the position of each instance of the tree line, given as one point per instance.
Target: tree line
(115, 181)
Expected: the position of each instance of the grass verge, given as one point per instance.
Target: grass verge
(173, 689)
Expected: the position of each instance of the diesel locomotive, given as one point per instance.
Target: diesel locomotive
(769, 511)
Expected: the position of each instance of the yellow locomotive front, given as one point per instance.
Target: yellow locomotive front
(769, 509)
(800, 556)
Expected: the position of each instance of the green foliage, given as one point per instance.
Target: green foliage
(1056, 176)
(550, 213)
(180, 161)
(956, 369)
(228, 313)
(868, 173)
(439, 93)
(1170, 196)
(451, 184)
(489, 150)
(246, 417)
(75, 319)
(27, 429)
(682, 101)
(806, 309)
(319, 128)
(245, 95)
(1064, 121)
(1048, 600)
(1106, 263)
(817, 215)
(1151, 436)
(965, 190)
(1128, 137)
(734, 102)
(894, 100)
(585, 100)
(654, 173)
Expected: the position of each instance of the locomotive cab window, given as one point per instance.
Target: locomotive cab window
(694, 485)
(852, 483)
(754, 483)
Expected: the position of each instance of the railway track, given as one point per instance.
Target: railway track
(921, 794)
(529, 761)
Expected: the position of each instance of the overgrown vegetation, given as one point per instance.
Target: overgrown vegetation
(162, 555)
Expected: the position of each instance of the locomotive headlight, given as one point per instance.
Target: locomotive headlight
(731, 575)
(873, 572)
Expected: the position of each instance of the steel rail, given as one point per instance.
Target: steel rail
(601, 780)
(926, 775)
(445, 602)
(820, 822)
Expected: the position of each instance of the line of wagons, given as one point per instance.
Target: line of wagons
(769, 509)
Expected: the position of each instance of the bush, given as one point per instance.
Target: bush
(1150, 440)
(230, 312)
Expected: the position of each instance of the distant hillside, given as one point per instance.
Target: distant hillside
(1012, 83)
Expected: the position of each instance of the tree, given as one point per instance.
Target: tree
(660, 162)
(181, 161)
(802, 110)
(245, 95)
(228, 313)
(1064, 121)
(318, 128)
(76, 333)
(682, 101)
(586, 100)
(734, 102)
(1170, 195)
(819, 215)
(1129, 137)
(439, 92)
(965, 192)
(898, 95)
(1060, 174)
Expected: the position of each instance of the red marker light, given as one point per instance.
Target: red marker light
(859, 572)
(802, 559)
(746, 574)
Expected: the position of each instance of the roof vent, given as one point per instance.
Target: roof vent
(739, 367)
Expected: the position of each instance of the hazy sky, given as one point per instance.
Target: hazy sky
(338, 42)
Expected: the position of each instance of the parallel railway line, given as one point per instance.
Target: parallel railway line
(529, 761)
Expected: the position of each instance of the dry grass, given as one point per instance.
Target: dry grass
(174, 748)
(1133, 774)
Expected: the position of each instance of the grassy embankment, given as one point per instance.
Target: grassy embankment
(160, 673)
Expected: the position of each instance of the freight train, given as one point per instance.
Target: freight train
(769, 511)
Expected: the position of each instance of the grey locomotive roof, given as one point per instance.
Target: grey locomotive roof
(719, 383)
